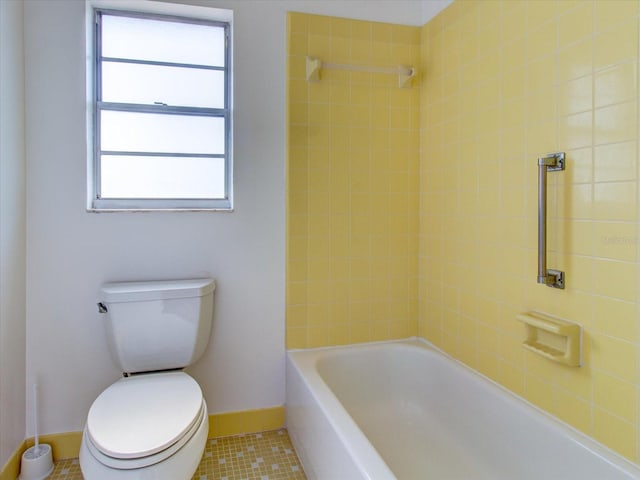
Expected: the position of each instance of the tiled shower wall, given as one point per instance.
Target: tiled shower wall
(507, 82)
(352, 193)
(502, 83)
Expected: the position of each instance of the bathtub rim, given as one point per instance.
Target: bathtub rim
(310, 356)
(365, 457)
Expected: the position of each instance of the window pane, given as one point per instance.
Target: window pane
(146, 84)
(161, 177)
(147, 132)
(158, 40)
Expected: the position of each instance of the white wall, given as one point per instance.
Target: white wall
(430, 8)
(12, 230)
(70, 252)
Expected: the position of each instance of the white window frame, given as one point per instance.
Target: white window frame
(169, 12)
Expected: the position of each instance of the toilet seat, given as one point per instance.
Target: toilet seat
(142, 420)
(149, 460)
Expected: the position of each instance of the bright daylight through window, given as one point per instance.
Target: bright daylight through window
(161, 112)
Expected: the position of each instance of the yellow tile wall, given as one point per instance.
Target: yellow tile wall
(439, 181)
(506, 82)
(352, 184)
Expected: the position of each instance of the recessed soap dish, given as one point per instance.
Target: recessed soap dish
(556, 339)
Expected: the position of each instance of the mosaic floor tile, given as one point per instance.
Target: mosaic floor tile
(255, 456)
(67, 470)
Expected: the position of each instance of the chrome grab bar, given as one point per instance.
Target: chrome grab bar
(549, 163)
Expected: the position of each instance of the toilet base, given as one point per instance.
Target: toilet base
(180, 466)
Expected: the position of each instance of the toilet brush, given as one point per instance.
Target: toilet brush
(37, 461)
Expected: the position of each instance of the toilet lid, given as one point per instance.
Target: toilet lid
(144, 414)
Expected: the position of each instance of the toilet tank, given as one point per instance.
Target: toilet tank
(158, 325)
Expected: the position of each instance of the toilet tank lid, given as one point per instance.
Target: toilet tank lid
(116, 292)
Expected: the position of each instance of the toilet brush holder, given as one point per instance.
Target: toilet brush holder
(37, 463)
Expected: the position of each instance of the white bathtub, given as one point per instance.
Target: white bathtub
(404, 410)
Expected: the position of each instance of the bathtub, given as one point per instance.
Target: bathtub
(403, 410)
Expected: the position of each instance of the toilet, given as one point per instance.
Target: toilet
(151, 424)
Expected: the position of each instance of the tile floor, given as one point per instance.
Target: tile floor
(255, 456)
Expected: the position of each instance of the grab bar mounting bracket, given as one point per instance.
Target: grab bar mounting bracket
(554, 161)
(554, 279)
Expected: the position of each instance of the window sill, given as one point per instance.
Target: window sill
(151, 210)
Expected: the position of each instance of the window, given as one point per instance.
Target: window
(161, 112)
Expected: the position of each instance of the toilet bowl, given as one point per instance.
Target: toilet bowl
(151, 425)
